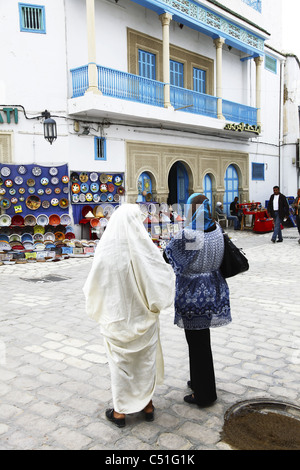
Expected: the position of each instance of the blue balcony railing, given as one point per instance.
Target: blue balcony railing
(131, 87)
(193, 101)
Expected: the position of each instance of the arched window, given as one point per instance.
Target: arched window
(231, 182)
(207, 186)
(144, 186)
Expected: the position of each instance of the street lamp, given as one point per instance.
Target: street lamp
(50, 131)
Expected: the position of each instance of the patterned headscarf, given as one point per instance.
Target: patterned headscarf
(198, 213)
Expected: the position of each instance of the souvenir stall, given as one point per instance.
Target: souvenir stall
(94, 197)
(34, 223)
(257, 216)
(161, 222)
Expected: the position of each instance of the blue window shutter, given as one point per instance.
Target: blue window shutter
(199, 80)
(176, 73)
(100, 148)
(146, 64)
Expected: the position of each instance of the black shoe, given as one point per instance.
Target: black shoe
(273, 241)
(278, 241)
(191, 399)
(149, 416)
(120, 422)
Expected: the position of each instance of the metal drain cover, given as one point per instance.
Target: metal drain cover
(262, 424)
(48, 278)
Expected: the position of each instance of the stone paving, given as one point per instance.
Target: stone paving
(54, 376)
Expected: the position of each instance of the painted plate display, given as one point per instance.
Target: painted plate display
(75, 198)
(65, 219)
(84, 187)
(44, 181)
(18, 180)
(83, 177)
(22, 190)
(40, 192)
(96, 198)
(48, 191)
(65, 179)
(12, 191)
(29, 220)
(94, 187)
(54, 180)
(121, 190)
(74, 177)
(57, 190)
(5, 203)
(36, 171)
(75, 188)
(14, 200)
(2, 191)
(64, 203)
(22, 170)
(31, 182)
(116, 198)
(45, 204)
(49, 236)
(53, 171)
(5, 220)
(89, 197)
(110, 198)
(54, 201)
(5, 171)
(103, 197)
(54, 219)
(82, 197)
(118, 180)
(8, 183)
(66, 189)
(33, 203)
(103, 187)
(111, 187)
(93, 177)
(31, 190)
(42, 220)
(103, 178)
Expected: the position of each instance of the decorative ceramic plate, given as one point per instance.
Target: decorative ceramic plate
(12, 191)
(5, 203)
(65, 179)
(42, 219)
(33, 203)
(111, 187)
(22, 190)
(96, 198)
(74, 177)
(84, 187)
(110, 198)
(53, 171)
(29, 220)
(116, 198)
(54, 180)
(54, 219)
(121, 190)
(94, 187)
(40, 192)
(48, 191)
(18, 180)
(64, 203)
(5, 220)
(82, 197)
(103, 197)
(31, 190)
(22, 170)
(8, 183)
(103, 187)
(118, 180)
(103, 178)
(44, 181)
(54, 201)
(66, 189)
(2, 191)
(57, 190)
(36, 171)
(31, 182)
(45, 204)
(14, 200)
(75, 198)
(93, 177)
(75, 188)
(65, 219)
(5, 171)
(84, 177)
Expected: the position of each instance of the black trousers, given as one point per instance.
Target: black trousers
(201, 366)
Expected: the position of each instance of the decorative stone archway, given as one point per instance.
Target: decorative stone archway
(157, 159)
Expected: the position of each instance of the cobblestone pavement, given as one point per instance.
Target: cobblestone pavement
(54, 376)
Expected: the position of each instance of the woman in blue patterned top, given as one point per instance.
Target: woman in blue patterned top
(202, 294)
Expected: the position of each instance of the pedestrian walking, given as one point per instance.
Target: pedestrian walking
(128, 286)
(202, 294)
(278, 209)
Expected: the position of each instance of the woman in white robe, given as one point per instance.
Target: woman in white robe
(127, 288)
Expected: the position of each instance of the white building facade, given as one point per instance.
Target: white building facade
(173, 96)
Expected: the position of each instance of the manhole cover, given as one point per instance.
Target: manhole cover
(48, 278)
(262, 425)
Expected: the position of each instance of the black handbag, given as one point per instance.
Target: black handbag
(234, 260)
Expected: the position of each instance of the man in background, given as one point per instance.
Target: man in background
(278, 209)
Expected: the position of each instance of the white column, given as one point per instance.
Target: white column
(165, 19)
(91, 36)
(219, 49)
(258, 61)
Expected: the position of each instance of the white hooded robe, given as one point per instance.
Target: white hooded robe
(127, 288)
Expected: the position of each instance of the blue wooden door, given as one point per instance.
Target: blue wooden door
(231, 182)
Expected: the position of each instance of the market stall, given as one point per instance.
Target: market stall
(259, 220)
